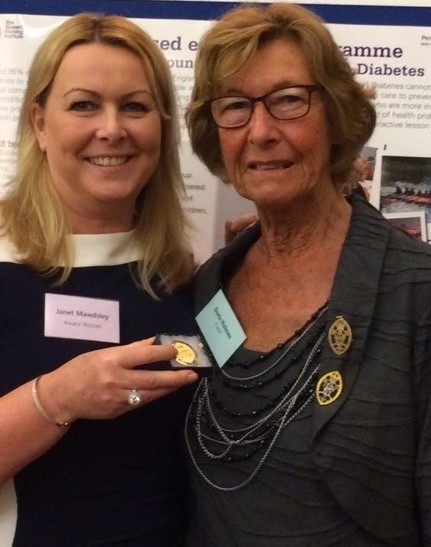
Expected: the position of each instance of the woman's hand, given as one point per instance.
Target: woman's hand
(233, 228)
(96, 385)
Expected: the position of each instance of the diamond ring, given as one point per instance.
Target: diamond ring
(134, 399)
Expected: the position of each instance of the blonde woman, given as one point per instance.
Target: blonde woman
(92, 260)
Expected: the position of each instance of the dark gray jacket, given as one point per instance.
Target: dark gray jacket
(372, 445)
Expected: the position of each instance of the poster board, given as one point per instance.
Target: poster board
(388, 44)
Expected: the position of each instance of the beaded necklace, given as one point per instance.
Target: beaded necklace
(210, 435)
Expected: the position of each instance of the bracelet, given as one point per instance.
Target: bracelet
(39, 406)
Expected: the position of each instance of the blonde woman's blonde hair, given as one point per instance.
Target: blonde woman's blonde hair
(232, 41)
(32, 214)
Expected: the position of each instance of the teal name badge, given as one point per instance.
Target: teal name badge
(221, 328)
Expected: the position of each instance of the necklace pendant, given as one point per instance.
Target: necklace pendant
(340, 336)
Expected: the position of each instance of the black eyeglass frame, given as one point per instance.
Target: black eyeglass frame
(311, 88)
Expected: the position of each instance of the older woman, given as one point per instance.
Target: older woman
(314, 427)
(93, 255)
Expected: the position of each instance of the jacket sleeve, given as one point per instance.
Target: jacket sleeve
(422, 398)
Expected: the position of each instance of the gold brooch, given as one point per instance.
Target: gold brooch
(329, 388)
(340, 336)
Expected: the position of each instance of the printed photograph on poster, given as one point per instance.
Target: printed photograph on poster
(405, 185)
(365, 166)
(412, 224)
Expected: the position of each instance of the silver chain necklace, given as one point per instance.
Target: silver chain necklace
(255, 434)
(286, 350)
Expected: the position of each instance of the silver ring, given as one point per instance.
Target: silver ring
(134, 399)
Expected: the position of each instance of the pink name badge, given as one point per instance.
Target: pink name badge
(82, 318)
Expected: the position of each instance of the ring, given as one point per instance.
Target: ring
(134, 399)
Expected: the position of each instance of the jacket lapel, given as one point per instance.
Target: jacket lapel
(353, 299)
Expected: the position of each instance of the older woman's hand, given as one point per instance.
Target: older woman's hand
(97, 385)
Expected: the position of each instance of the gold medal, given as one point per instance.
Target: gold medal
(340, 336)
(186, 355)
(189, 351)
(329, 388)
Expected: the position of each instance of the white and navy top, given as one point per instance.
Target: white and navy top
(110, 482)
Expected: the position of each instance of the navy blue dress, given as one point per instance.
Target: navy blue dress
(110, 482)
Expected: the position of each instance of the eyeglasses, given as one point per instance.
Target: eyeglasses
(289, 103)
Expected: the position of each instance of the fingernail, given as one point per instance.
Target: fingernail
(191, 376)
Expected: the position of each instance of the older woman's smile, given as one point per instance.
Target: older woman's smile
(267, 166)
